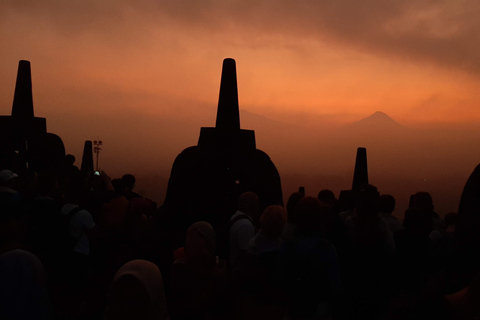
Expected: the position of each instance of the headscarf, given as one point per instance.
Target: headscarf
(137, 293)
(200, 248)
(23, 294)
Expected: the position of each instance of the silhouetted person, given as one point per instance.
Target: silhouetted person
(137, 292)
(268, 238)
(253, 290)
(445, 250)
(423, 201)
(414, 244)
(301, 190)
(129, 181)
(10, 225)
(308, 265)
(136, 236)
(327, 198)
(369, 275)
(334, 227)
(70, 170)
(115, 211)
(70, 167)
(370, 234)
(346, 204)
(430, 301)
(81, 227)
(45, 223)
(386, 205)
(138, 212)
(289, 230)
(23, 289)
(450, 221)
(198, 277)
(242, 227)
(464, 303)
(7, 185)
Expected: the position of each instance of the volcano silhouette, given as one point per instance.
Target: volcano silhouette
(378, 120)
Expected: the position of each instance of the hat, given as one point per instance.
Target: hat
(6, 175)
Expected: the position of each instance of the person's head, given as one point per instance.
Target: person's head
(69, 159)
(7, 178)
(386, 203)
(23, 288)
(129, 181)
(200, 244)
(347, 200)
(423, 201)
(272, 221)
(248, 203)
(417, 222)
(9, 215)
(450, 220)
(309, 219)
(137, 293)
(327, 198)
(464, 304)
(291, 205)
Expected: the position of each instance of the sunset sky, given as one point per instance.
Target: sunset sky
(100, 66)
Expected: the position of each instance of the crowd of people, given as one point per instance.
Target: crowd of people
(75, 246)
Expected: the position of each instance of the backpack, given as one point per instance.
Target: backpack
(223, 237)
(67, 241)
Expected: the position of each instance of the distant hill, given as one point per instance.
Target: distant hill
(254, 121)
(378, 120)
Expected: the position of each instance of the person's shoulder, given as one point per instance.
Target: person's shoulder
(236, 214)
(84, 212)
(240, 219)
(349, 221)
(85, 216)
(325, 244)
(68, 207)
(243, 224)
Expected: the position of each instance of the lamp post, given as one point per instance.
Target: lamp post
(96, 149)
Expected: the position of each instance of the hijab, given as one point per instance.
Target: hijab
(23, 293)
(137, 293)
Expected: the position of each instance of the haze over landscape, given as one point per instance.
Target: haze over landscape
(143, 76)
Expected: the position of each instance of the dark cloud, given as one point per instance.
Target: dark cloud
(445, 33)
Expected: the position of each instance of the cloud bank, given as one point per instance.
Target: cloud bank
(444, 33)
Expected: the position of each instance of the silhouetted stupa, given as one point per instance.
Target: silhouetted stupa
(207, 179)
(468, 225)
(24, 140)
(360, 175)
(348, 198)
(87, 158)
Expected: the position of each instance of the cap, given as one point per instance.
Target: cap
(6, 175)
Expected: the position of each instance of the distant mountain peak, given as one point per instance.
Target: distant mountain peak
(378, 119)
(380, 114)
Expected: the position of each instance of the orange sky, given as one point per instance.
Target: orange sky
(416, 61)
(127, 71)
